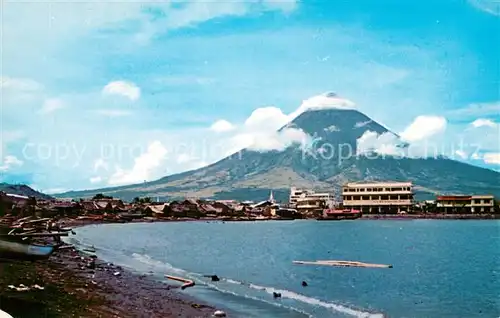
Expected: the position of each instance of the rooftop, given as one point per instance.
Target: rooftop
(378, 183)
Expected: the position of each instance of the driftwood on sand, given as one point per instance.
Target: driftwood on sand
(187, 282)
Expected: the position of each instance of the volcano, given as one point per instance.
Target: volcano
(330, 159)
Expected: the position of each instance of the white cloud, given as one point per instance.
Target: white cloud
(260, 130)
(483, 122)
(144, 166)
(18, 91)
(19, 84)
(276, 141)
(123, 88)
(195, 12)
(113, 112)
(480, 109)
(10, 162)
(95, 179)
(222, 126)
(266, 118)
(384, 144)
(323, 101)
(492, 158)
(424, 127)
(488, 6)
(51, 105)
(413, 143)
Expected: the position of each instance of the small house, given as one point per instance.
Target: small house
(157, 210)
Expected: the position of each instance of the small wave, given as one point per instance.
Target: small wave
(309, 300)
(80, 244)
(148, 260)
(317, 302)
(221, 290)
(233, 281)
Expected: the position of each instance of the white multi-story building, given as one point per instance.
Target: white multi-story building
(308, 201)
(378, 197)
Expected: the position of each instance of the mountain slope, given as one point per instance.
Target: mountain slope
(21, 189)
(249, 174)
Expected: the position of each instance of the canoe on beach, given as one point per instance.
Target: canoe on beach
(23, 251)
(3, 314)
(342, 264)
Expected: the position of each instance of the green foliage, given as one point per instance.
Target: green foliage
(101, 196)
(142, 200)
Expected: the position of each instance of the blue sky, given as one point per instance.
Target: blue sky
(105, 93)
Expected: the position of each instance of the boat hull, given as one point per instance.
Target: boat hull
(20, 251)
(339, 217)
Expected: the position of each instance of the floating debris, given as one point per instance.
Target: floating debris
(342, 264)
(219, 313)
(187, 282)
(214, 278)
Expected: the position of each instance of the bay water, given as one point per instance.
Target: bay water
(441, 268)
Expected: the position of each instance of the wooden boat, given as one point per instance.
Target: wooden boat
(342, 264)
(16, 250)
(337, 215)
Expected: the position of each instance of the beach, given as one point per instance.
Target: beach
(72, 288)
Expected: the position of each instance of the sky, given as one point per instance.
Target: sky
(97, 94)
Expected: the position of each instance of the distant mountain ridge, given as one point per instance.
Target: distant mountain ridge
(250, 175)
(22, 189)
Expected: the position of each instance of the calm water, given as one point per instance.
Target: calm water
(441, 268)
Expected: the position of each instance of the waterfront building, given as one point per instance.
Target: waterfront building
(297, 195)
(465, 204)
(378, 197)
(307, 201)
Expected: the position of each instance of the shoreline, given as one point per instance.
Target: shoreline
(129, 293)
(75, 223)
(431, 217)
(78, 284)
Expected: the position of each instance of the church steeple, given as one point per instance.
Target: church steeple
(271, 197)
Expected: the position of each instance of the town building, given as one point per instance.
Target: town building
(303, 195)
(465, 204)
(378, 197)
(309, 202)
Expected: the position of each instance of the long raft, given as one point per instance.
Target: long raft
(342, 264)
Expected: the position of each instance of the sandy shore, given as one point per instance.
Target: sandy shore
(78, 285)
